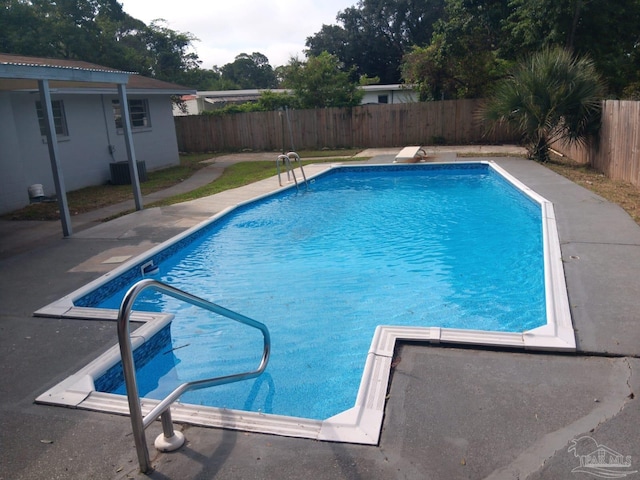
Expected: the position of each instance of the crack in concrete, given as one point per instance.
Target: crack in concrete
(534, 458)
(575, 242)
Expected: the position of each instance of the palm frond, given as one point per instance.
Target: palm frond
(551, 95)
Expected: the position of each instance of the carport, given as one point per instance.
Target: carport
(25, 73)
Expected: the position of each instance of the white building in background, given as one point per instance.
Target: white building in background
(204, 101)
(396, 93)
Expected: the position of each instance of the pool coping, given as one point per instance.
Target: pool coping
(360, 424)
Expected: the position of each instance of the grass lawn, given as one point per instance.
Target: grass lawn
(91, 198)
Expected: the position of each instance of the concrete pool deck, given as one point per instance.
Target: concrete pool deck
(451, 412)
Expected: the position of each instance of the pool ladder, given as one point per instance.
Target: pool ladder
(286, 163)
(170, 440)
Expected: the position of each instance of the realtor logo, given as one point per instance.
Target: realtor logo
(599, 460)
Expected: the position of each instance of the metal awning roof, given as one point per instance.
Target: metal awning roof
(19, 72)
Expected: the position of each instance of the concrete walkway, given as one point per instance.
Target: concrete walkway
(452, 413)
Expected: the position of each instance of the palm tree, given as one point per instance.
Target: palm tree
(550, 96)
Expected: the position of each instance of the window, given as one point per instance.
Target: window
(383, 98)
(59, 119)
(138, 114)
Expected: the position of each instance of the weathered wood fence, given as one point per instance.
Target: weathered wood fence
(617, 151)
(392, 125)
(454, 122)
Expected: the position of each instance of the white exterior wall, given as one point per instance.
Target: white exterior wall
(193, 107)
(196, 106)
(84, 154)
(394, 96)
(158, 145)
(13, 191)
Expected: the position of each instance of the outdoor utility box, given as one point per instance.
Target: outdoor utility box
(120, 173)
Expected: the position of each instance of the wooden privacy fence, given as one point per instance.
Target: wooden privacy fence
(617, 151)
(384, 125)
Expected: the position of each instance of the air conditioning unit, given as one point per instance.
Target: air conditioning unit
(120, 173)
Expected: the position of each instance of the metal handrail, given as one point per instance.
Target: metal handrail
(138, 422)
(286, 162)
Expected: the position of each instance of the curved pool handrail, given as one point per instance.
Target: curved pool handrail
(286, 163)
(140, 423)
(297, 158)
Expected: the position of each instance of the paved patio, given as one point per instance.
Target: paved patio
(452, 413)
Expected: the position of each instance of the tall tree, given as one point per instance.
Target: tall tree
(169, 51)
(606, 31)
(45, 28)
(70, 26)
(250, 71)
(121, 44)
(20, 28)
(96, 31)
(373, 36)
(462, 59)
(457, 48)
(320, 82)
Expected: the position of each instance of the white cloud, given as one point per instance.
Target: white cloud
(275, 28)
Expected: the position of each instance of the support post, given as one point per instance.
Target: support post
(128, 140)
(54, 157)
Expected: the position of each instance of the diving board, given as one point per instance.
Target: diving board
(410, 155)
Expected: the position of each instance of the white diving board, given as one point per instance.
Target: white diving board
(411, 155)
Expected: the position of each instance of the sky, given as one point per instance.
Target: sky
(226, 28)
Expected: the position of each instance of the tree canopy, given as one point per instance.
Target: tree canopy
(99, 31)
(96, 31)
(373, 36)
(447, 48)
(250, 71)
(321, 82)
(459, 48)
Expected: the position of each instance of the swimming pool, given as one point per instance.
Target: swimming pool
(413, 299)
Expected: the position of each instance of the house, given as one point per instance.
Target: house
(204, 101)
(396, 93)
(207, 100)
(87, 117)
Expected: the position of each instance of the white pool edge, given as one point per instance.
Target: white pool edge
(360, 424)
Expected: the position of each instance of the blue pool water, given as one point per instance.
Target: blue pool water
(450, 246)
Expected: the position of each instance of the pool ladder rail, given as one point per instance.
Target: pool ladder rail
(286, 163)
(170, 440)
